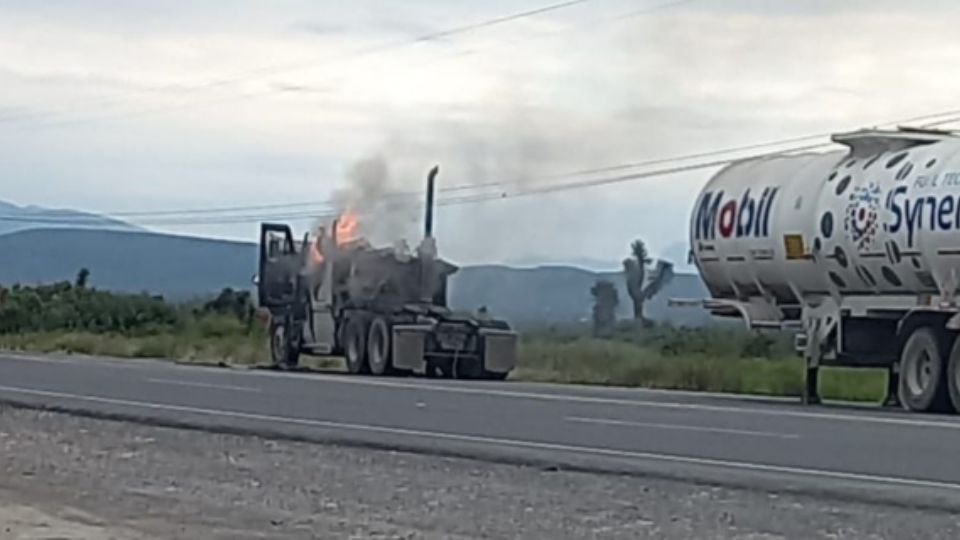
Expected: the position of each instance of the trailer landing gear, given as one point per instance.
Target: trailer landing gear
(893, 387)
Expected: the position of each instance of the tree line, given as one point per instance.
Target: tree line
(75, 306)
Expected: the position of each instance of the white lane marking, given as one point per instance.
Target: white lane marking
(681, 427)
(683, 393)
(205, 385)
(906, 420)
(497, 441)
(160, 363)
(81, 360)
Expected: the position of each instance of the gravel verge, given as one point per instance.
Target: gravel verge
(80, 478)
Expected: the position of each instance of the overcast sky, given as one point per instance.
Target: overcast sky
(112, 106)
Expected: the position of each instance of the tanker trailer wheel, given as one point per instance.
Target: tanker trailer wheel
(953, 376)
(284, 350)
(355, 346)
(923, 386)
(380, 348)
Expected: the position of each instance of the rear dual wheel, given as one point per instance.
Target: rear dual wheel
(924, 371)
(368, 346)
(355, 345)
(380, 347)
(953, 376)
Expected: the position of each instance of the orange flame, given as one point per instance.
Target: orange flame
(316, 255)
(347, 229)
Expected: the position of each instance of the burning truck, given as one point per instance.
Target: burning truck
(383, 309)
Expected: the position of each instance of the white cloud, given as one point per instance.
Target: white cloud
(562, 92)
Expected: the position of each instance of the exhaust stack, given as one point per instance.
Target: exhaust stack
(427, 251)
(428, 218)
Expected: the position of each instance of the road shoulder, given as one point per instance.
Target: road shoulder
(163, 482)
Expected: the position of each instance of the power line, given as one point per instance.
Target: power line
(581, 172)
(466, 199)
(662, 172)
(325, 208)
(582, 24)
(454, 188)
(942, 122)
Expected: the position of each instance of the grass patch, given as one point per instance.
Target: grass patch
(608, 362)
(237, 349)
(246, 349)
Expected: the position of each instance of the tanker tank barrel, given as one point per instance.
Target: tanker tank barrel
(855, 250)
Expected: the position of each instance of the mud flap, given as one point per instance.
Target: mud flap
(499, 350)
(409, 346)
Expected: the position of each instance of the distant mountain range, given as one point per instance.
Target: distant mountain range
(15, 218)
(122, 257)
(175, 266)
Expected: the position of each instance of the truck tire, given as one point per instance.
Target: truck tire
(923, 385)
(355, 346)
(953, 376)
(284, 349)
(380, 347)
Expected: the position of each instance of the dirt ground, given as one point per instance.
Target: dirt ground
(26, 522)
(66, 477)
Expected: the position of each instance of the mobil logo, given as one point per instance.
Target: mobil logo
(734, 217)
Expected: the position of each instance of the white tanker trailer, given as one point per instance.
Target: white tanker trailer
(857, 250)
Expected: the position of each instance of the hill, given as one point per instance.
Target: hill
(15, 218)
(176, 266)
(183, 267)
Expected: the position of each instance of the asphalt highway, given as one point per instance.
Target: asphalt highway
(771, 444)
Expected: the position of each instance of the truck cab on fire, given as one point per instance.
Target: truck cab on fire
(384, 309)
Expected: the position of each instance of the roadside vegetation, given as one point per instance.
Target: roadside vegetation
(74, 318)
(700, 359)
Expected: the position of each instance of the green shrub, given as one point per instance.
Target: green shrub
(218, 326)
(161, 346)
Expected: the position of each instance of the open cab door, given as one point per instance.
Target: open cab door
(277, 279)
